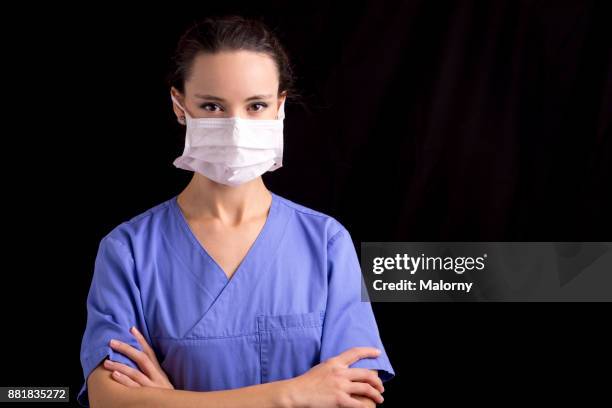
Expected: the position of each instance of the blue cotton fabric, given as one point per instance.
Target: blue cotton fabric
(294, 301)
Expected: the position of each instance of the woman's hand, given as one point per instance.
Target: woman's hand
(367, 403)
(150, 374)
(332, 384)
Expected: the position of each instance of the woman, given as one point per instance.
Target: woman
(228, 294)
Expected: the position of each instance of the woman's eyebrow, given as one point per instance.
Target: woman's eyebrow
(216, 98)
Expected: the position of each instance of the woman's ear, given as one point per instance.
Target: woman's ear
(281, 98)
(180, 115)
(282, 95)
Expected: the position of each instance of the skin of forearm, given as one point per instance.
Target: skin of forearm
(261, 395)
(268, 395)
(105, 392)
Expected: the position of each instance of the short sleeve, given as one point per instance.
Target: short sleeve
(349, 321)
(113, 307)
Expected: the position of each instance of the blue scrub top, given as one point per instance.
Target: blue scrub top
(294, 301)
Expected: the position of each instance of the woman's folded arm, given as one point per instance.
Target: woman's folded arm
(105, 392)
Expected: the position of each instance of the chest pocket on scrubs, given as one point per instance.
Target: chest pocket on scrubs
(289, 344)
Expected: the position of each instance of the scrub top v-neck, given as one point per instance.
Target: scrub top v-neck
(261, 236)
(294, 300)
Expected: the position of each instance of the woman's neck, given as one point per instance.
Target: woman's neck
(205, 199)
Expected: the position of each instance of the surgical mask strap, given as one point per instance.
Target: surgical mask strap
(180, 106)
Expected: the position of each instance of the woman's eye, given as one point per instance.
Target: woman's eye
(207, 105)
(263, 106)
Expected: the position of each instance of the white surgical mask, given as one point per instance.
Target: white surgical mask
(232, 150)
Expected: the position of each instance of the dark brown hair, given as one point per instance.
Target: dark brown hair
(229, 33)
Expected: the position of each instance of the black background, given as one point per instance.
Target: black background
(419, 121)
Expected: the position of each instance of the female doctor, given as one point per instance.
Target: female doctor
(228, 295)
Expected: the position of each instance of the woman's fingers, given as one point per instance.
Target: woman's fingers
(123, 379)
(366, 390)
(150, 374)
(365, 375)
(148, 350)
(139, 357)
(126, 375)
(347, 401)
(353, 354)
(365, 401)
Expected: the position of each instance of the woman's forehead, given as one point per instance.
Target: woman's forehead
(233, 73)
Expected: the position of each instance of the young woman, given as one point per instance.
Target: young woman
(228, 295)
